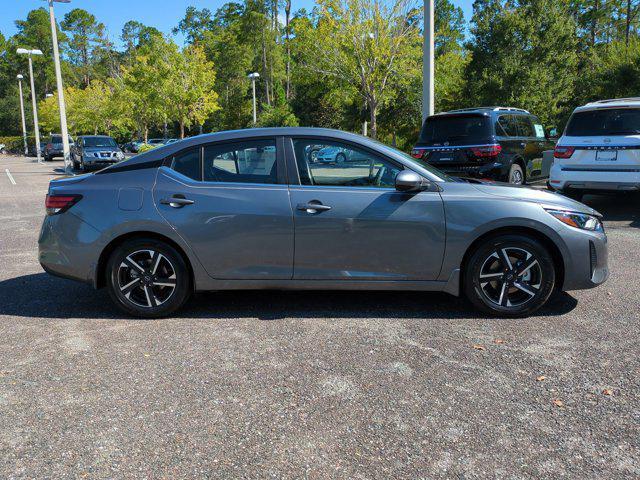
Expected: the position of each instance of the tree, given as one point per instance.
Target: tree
(521, 55)
(366, 44)
(449, 25)
(190, 94)
(86, 35)
(194, 24)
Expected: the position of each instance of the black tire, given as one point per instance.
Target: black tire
(76, 166)
(47, 158)
(153, 295)
(522, 294)
(516, 175)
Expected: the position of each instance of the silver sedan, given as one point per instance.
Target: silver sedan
(252, 210)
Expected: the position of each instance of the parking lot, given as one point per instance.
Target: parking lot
(312, 384)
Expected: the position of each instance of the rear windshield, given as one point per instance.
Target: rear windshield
(456, 129)
(609, 121)
(98, 142)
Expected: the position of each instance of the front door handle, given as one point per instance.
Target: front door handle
(314, 206)
(176, 201)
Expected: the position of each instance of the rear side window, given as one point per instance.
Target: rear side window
(525, 126)
(610, 121)
(506, 126)
(187, 163)
(456, 129)
(249, 161)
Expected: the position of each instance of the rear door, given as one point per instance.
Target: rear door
(532, 146)
(351, 224)
(230, 202)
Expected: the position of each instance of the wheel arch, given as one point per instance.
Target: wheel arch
(100, 280)
(554, 250)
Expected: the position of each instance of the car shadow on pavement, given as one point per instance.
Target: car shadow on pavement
(617, 207)
(43, 296)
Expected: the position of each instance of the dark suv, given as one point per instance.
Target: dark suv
(53, 147)
(496, 143)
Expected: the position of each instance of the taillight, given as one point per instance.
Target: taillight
(487, 151)
(563, 152)
(60, 203)
(415, 153)
(49, 146)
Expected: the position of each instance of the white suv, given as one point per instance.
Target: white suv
(599, 150)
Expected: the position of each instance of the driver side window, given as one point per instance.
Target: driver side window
(337, 164)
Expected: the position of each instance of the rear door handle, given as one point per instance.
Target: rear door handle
(177, 201)
(314, 206)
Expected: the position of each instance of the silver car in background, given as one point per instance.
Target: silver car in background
(250, 209)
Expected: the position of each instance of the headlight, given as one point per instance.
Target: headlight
(582, 221)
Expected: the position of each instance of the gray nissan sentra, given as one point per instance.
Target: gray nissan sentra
(251, 209)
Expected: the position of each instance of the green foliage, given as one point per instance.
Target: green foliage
(338, 65)
(280, 116)
(145, 147)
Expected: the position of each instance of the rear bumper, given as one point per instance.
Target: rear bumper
(597, 179)
(494, 171)
(68, 247)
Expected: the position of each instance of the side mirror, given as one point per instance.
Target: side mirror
(409, 181)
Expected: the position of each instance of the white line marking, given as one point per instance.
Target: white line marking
(10, 176)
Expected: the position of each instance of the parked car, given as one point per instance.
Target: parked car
(53, 147)
(133, 146)
(338, 154)
(498, 143)
(248, 210)
(95, 151)
(599, 150)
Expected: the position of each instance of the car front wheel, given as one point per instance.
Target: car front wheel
(148, 278)
(509, 275)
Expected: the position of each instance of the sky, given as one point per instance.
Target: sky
(162, 14)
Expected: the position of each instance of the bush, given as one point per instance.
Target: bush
(15, 144)
(145, 147)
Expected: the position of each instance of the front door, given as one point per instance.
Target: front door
(229, 201)
(351, 223)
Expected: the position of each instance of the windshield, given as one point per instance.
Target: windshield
(456, 129)
(58, 139)
(610, 121)
(98, 142)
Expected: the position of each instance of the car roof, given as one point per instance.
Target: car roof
(485, 110)
(610, 103)
(166, 150)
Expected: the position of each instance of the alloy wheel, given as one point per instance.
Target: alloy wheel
(510, 277)
(516, 177)
(146, 278)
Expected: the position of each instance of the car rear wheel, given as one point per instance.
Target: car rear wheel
(509, 275)
(148, 278)
(516, 175)
(341, 158)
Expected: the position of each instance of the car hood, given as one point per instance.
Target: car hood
(542, 197)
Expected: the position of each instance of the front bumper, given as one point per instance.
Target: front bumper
(588, 265)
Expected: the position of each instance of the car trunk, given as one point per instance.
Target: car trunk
(601, 140)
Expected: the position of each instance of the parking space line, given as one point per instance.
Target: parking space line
(10, 176)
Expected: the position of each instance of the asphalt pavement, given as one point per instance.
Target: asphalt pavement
(312, 384)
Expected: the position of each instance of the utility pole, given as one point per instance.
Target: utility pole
(59, 86)
(428, 62)
(253, 77)
(24, 124)
(25, 51)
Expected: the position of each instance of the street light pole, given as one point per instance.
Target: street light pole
(24, 124)
(254, 76)
(59, 86)
(24, 51)
(427, 61)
